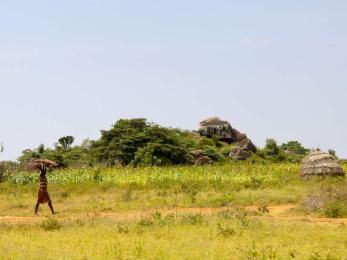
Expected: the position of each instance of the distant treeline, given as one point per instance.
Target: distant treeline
(137, 142)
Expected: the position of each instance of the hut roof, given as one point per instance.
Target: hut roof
(319, 163)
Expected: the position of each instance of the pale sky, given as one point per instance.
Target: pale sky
(272, 68)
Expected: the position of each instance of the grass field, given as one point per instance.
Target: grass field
(210, 212)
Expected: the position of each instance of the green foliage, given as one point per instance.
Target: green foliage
(121, 142)
(63, 154)
(332, 152)
(272, 151)
(66, 141)
(213, 153)
(51, 224)
(137, 142)
(160, 155)
(271, 148)
(41, 149)
(204, 141)
(8, 166)
(213, 148)
(333, 209)
(294, 148)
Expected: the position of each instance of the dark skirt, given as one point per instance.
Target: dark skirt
(43, 197)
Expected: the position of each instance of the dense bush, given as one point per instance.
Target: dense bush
(294, 147)
(161, 154)
(135, 141)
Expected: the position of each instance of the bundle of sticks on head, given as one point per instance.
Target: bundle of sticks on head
(36, 164)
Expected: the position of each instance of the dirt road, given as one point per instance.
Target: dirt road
(274, 213)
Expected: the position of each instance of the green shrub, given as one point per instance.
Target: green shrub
(225, 231)
(51, 224)
(161, 154)
(193, 219)
(333, 209)
(213, 153)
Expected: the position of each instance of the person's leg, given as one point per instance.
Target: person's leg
(36, 207)
(51, 207)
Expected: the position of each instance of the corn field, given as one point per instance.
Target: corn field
(233, 174)
(228, 175)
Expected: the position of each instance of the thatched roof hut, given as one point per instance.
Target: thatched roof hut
(319, 163)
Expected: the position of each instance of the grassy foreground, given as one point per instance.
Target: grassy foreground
(82, 196)
(190, 236)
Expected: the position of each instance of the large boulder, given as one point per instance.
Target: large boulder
(247, 145)
(243, 150)
(238, 154)
(200, 158)
(240, 136)
(203, 160)
(214, 126)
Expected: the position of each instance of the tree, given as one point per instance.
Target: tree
(121, 142)
(160, 154)
(66, 141)
(271, 147)
(2, 147)
(294, 148)
(41, 149)
(138, 142)
(332, 152)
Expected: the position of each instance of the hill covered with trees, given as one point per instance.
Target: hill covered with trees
(139, 142)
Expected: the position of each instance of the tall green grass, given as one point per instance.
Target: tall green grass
(233, 174)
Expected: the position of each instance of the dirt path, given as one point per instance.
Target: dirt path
(275, 213)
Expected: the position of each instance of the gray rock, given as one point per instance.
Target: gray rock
(214, 126)
(240, 136)
(238, 154)
(203, 160)
(247, 145)
(197, 153)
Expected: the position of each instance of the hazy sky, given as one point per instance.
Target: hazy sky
(272, 68)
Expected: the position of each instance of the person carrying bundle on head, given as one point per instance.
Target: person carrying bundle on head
(43, 196)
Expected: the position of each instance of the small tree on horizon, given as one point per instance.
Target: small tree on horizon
(333, 153)
(294, 147)
(66, 141)
(271, 148)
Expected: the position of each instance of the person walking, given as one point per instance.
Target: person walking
(43, 196)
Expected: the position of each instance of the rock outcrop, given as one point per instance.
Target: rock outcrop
(238, 154)
(247, 145)
(199, 158)
(215, 126)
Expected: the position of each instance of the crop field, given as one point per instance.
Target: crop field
(236, 210)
